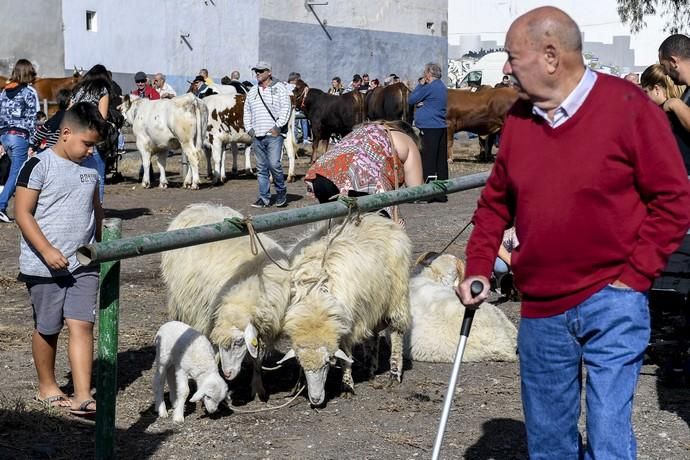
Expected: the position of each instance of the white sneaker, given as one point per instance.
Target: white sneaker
(4, 218)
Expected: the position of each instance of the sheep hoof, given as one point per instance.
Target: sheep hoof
(394, 378)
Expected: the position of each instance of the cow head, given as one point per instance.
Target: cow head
(300, 92)
(239, 343)
(128, 107)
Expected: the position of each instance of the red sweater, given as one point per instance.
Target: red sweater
(602, 197)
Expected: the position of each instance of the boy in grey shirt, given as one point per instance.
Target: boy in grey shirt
(57, 209)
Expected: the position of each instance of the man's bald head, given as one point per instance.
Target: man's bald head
(549, 24)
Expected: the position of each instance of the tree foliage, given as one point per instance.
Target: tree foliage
(675, 12)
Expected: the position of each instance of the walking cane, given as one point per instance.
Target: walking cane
(475, 288)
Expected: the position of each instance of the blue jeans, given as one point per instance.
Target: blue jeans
(609, 333)
(96, 162)
(500, 267)
(267, 150)
(305, 129)
(17, 147)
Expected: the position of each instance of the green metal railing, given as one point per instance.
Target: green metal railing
(113, 248)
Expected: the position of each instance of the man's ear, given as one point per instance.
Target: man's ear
(65, 133)
(551, 55)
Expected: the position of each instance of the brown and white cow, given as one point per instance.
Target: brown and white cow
(166, 124)
(226, 126)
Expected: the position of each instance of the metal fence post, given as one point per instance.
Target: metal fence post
(108, 320)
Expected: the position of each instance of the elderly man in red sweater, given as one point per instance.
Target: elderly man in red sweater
(589, 173)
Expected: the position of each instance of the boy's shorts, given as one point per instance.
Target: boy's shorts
(69, 297)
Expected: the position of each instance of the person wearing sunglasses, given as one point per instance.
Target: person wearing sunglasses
(143, 88)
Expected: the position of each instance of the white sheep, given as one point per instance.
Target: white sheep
(437, 315)
(346, 286)
(236, 298)
(183, 353)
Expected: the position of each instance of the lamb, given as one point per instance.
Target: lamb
(234, 297)
(183, 353)
(347, 285)
(437, 315)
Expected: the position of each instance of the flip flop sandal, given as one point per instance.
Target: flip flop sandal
(57, 401)
(84, 410)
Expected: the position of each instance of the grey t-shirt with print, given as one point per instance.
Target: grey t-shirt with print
(64, 210)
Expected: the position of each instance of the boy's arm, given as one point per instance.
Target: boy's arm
(24, 205)
(98, 211)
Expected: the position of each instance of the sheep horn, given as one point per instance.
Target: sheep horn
(289, 355)
(341, 354)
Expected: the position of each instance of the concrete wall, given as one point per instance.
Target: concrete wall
(351, 51)
(378, 38)
(32, 30)
(179, 37)
(134, 35)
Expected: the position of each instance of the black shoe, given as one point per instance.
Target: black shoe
(4, 218)
(281, 202)
(260, 204)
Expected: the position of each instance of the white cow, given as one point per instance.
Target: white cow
(226, 126)
(167, 124)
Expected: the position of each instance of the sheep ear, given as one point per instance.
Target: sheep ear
(197, 396)
(289, 355)
(341, 354)
(251, 341)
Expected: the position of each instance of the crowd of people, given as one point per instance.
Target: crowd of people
(619, 200)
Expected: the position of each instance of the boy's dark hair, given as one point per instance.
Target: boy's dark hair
(85, 116)
(62, 98)
(41, 115)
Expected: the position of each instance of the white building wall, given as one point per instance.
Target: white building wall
(32, 30)
(134, 35)
(156, 36)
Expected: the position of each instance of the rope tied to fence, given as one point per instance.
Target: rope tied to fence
(254, 238)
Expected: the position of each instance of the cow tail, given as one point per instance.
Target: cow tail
(201, 122)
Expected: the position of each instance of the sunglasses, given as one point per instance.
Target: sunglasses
(260, 71)
(140, 81)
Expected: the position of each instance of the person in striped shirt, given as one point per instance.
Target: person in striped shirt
(266, 114)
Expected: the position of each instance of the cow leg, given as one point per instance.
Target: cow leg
(161, 159)
(223, 177)
(192, 178)
(209, 169)
(248, 159)
(290, 148)
(146, 164)
(217, 154)
(449, 152)
(235, 151)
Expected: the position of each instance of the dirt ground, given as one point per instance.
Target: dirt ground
(397, 423)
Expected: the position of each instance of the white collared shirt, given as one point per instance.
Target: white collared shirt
(572, 103)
